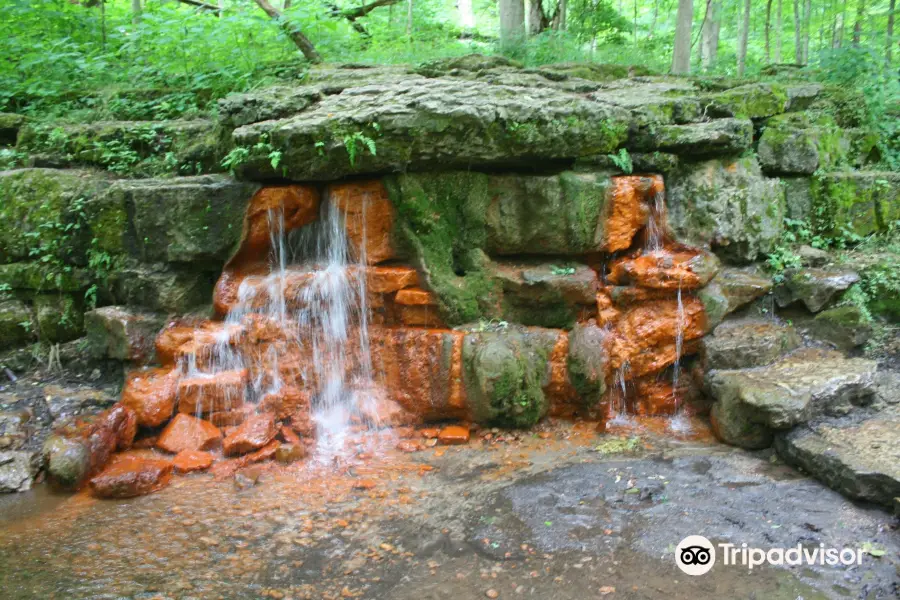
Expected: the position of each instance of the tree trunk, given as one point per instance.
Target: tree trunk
(535, 17)
(742, 46)
(807, 9)
(768, 32)
(681, 54)
(562, 14)
(466, 15)
(409, 19)
(709, 41)
(634, 21)
(301, 41)
(512, 21)
(889, 43)
(857, 26)
(798, 49)
(779, 29)
(653, 22)
(135, 12)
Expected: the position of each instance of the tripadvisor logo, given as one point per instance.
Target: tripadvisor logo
(696, 555)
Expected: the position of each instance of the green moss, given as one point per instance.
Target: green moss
(441, 221)
(39, 276)
(753, 101)
(854, 203)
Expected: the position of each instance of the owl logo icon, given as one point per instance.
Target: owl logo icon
(695, 555)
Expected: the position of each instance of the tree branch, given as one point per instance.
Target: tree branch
(355, 13)
(201, 5)
(301, 41)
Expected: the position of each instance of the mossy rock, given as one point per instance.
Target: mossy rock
(16, 324)
(37, 276)
(751, 101)
(60, 317)
(469, 62)
(720, 136)
(10, 123)
(164, 288)
(42, 214)
(801, 144)
(728, 206)
(846, 327)
(505, 372)
(587, 362)
(858, 202)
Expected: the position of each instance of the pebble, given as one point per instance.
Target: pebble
(492, 593)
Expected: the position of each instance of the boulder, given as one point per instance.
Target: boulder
(177, 219)
(206, 393)
(112, 431)
(60, 317)
(506, 371)
(10, 123)
(188, 433)
(731, 289)
(254, 433)
(815, 288)
(16, 325)
(37, 205)
(588, 361)
(17, 469)
(857, 454)
(122, 333)
(130, 476)
(164, 288)
(412, 122)
(750, 101)
(801, 144)
(720, 136)
(858, 202)
(545, 294)
(847, 327)
(747, 343)
(68, 460)
(726, 205)
(151, 395)
(798, 197)
(751, 403)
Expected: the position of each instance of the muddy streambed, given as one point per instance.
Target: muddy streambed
(533, 515)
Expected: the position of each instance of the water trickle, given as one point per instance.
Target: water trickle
(307, 322)
(618, 409)
(655, 235)
(679, 423)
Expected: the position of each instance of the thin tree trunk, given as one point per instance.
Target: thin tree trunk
(103, 25)
(779, 29)
(535, 17)
(301, 41)
(466, 15)
(135, 12)
(409, 19)
(709, 40)
(745, 35)
(634, 21)
(807, 10)
(857, 26)
(798, 49)
(653, 22)
(889, 43)
(512, 21)
(562, 15)
(768, 31)
(681, 54)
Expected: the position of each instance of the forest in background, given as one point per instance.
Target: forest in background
(56, 53)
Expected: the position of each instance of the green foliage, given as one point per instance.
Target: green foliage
(262, 149)
(355, 143)
(622, 160)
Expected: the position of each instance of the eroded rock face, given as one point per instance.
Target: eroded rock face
(122, 333)
(731, 289)
(751, 403)
(857, 455)
(17, 469)
(252, 434)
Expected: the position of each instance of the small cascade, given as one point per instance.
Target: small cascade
(298, 334)
(656, 223)
(618, 407)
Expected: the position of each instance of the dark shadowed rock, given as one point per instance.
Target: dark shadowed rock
(122, 333)
(814, 287)
(846, 327)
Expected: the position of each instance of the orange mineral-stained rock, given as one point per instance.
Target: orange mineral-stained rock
(645, 335)
(188, 433)
(113, 430)
(130, 476)
(628, 211)
(254, 433)
(179, 340)
(368, 215)
(208, 393)
(151, 395)
(422, 369)
(417, 308)
(285, 402)
(659, 270)
(453, 435)
(300, 204)
(188, 461)
(385, 280)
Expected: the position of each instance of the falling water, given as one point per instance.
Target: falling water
(618, 406)
(309, 319)
(656, 224)
(679, 422)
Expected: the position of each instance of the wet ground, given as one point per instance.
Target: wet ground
(535, 515)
